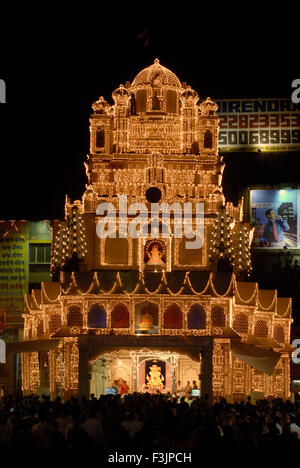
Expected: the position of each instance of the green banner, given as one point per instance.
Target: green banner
(13, 265)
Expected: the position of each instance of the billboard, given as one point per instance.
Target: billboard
(259, 125)
(274, 215)
(13, 265)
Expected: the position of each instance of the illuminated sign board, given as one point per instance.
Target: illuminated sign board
(13, 265)
(274, 214)
(259, 124)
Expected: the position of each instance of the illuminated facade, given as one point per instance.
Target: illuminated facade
(121, 303)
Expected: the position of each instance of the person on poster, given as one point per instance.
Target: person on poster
(273, 230)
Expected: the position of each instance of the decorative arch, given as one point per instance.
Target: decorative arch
(74, 316)
(279, 334)
(240, 323)
(218, 318)
(120, 316)
(173, 317)
(261, 329)
(196, 317)
(146, 310)
(54, 323)
(97, 316)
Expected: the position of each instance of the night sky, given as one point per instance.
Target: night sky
(54, 71)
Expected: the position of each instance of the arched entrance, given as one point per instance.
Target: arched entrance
(154, 370)
(144, 370)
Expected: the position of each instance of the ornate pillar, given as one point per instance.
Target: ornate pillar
(44, 372)
(52, 373)
(34, 372)
(25, 372)
(83, 371)
(207, 370)
(71, 366)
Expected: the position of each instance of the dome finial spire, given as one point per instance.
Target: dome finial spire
(155, 71)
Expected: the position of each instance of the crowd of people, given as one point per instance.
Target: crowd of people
(143, 421)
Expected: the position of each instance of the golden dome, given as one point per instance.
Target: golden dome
(156, 75)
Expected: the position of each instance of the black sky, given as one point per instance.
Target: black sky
(55, 70)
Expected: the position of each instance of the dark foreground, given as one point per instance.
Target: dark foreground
(145, 422)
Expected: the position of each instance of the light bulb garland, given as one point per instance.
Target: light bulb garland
(70, 240)
(221, 240)
(242, 254)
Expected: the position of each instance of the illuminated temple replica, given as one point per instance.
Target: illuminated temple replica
(150, 311)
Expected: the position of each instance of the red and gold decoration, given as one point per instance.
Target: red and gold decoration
(154, 378)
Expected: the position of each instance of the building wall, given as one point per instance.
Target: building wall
(24, 262)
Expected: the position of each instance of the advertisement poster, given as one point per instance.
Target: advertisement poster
(13, 265)
(274, 216)
(259, 125)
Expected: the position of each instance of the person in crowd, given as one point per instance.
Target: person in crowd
(132, 424)
(93, 426)
(295, 425)
(124, 387)
(188, 390)
(179, 389)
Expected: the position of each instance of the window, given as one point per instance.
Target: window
(156, 102)
(208, 141)
(279, 334)
(173, 318)
(240, 323)
(116, 251)
(74, 316)
(261, 329)
(218, 316)
(189, 256)
(54, 323)
(100, 139)
(39, 253)
(196, 317)
(97, 316)
(172, 102)
(141, 100)
(120, 316)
